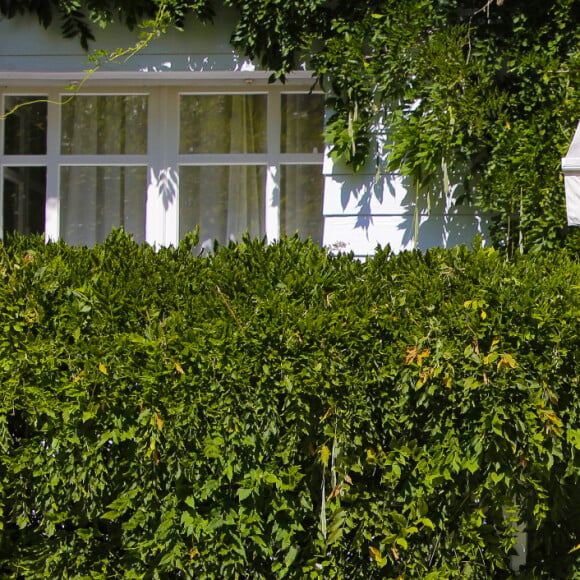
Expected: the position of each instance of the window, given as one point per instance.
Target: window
(162, 161)
(99, 187)
(250, 162)
(24, 181)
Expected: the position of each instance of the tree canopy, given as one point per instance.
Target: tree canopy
(477, 93)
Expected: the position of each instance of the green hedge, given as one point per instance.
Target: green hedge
(272, 411)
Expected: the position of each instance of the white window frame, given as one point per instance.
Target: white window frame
(162, 157)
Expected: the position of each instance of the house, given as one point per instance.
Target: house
(571, 169)
(187, 132)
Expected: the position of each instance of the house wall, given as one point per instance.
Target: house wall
(360, 211)
(27, 47)
(374, 207)
(571, 169)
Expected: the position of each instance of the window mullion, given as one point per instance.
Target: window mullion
(272, 193)
(52, 206)
(170, 143)
(2, 168)
(162, 177)
(272, 218)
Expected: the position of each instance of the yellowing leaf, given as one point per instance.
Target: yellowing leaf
(348, 479)
(193, 553)
(324, 455)
(555, 419)
(424, 354)
(506, 361)
(179, 368)
(334, 492)
(411, 354)
(483, 314)
(103, 369)
(328, 413)
(158, 421)
(78, 377)
(553, 399)
(376, 556)
(575, 548)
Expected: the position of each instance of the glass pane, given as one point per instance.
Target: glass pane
(225, 201)
(24, 199)
(302, 123)
(105, 125)
(25, 128)
(222, 124)
(301, 189)
(94, 200)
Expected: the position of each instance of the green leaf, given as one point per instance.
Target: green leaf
(243, 493)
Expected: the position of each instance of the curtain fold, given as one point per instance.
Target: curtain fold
(95, 199)
(301, 189)
(226, 201)
(302, 123)
(104, 125)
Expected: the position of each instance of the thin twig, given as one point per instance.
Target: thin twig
(228, 306)
(111, 57)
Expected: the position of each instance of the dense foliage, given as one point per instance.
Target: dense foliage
(478, 94)
(275, 411)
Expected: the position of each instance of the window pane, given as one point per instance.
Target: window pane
(24, 199)
(225, 201)
(302, 123)
(301, 201)
(105, 125)
(94, 200)
(25, 128)
(222, 124)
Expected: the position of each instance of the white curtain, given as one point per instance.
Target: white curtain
(104, 125)
(301, 186)
(95, 199)
(302, 123)
(225, 201)
(301, 201)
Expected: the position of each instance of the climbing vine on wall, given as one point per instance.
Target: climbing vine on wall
(477, 95)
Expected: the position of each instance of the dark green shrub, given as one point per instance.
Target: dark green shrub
(275, 411)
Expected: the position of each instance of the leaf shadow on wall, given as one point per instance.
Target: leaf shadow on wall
(165, 182)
